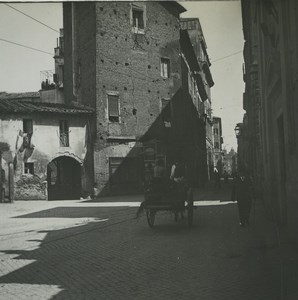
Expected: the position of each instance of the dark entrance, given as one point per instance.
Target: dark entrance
(64, 179)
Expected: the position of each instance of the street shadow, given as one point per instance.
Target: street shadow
(76, 212)
(99, 261)
(72, 258)
(117, 198)
(87, 262)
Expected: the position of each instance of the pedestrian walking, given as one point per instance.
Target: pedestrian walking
(242, 192)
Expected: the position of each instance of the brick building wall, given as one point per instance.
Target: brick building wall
(127, 67)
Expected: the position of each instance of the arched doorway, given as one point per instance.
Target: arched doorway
(64, 179)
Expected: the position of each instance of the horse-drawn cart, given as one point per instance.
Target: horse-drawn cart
(167, 195)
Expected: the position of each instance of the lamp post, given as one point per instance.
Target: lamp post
(238, 133)
(237, 130)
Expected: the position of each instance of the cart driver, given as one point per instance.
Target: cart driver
(178, 172)
(178, 175)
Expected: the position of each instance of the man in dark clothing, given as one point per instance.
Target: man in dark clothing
(178, 175)
(242, 192)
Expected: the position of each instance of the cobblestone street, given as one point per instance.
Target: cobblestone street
(98, 250)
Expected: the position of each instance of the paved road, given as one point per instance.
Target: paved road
(97, 250)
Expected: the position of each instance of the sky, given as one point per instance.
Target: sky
(222, 27)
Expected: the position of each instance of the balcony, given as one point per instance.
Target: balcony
(58, 52)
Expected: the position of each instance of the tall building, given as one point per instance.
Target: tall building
(217, 143)
(194, 29)
(124, 59)
(270, 54)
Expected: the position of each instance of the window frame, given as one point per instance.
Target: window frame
(139, 8)
(27, 167)
(113, 94)
(64, 134)
(165, 61)
(25, 124)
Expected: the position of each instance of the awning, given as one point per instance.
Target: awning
(208, 75)
(188, 51)
(201, 87)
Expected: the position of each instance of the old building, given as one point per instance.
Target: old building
(46, 149)
(217, 142)
(124, 59)
(229, 162)
(52, 80)
(193, 134)
(204, 82)
(270, 74)
(46, 141)
(129, 87)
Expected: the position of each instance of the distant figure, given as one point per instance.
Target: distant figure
(178, 175)
(159, 169)
(216, 179)
(242, 192)
(178, 172)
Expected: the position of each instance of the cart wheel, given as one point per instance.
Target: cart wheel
(190, 207)
(150, 217)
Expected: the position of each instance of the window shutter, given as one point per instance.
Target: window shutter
(113, 106)
(165, 67)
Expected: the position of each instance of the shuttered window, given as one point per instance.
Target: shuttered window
(165, 67)
(64, 133)
(138, 18)
(113, 108)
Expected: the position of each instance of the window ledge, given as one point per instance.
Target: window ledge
(138, 30)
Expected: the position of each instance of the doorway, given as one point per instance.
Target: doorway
(64, 179)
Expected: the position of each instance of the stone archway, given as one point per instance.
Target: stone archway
(64, 178)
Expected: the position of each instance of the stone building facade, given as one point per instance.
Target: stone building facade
(198, 43)
(46, 149)
(217, 143)
(270, 73)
